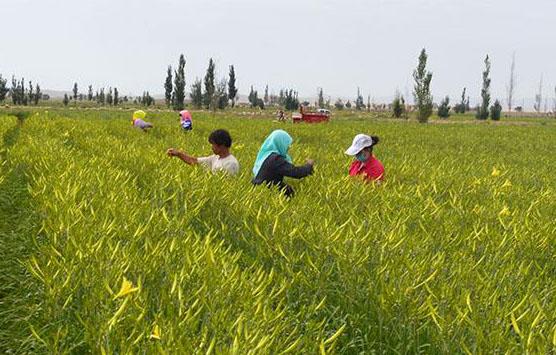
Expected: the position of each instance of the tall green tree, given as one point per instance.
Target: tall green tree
(109, 97)
(398, 106)
(321, 98)
(66, 100)
(38, 94)
(222, 95)
(90, 93)
(495, 111)
(179, 85)
(31, 93)
(196, 94)
(291, 99)
(3, 88)
(421, 89)
(482, 112)
(266, 95)
(17, 92)
(444, 108)
(147, 99)
(75, 92)
(253, 97)
(116, 96)
(463, 106)
(101, 97)
(232, 89)
(14, 91)
(359, 103)
(209, 86)
(22, 95)
(168, 86)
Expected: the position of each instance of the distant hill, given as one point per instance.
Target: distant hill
(56, 94)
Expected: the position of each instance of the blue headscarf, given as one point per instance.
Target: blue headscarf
(277, 142)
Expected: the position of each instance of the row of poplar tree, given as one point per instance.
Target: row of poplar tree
(288, 98)
(19, 93)
(110, 97)
(424, 99)
(208, 93)
(422, 96)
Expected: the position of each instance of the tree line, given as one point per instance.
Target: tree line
(20, 93)
(209, 93)
(287, 98)
(484, 110)
(424, 100)
(103, 97)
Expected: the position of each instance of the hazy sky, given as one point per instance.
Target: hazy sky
(337, 45)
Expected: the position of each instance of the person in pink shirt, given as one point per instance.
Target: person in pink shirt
(365, 165)
(186, 121)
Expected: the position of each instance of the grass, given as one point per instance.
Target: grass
(130, 251)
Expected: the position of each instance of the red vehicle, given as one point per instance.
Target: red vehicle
(322, 115)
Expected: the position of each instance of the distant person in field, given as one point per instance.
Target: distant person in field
(221, 160)
(138, 121)
(273, 163)
(365, 164)
(281, 116)
(186, 121)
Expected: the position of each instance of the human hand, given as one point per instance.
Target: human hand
(310, 161)
(172, 152)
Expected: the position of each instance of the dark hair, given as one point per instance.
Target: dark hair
(375, 142)
(221, 137)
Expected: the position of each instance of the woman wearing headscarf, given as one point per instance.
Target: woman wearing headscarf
(138, 120)
(273, 163)
(365, 164)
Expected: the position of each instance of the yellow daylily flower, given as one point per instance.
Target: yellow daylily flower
(65, 134)
(127, 287)
(495, 172)
(156, 332)
(505, 211)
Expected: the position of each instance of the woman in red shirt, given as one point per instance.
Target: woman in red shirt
(365, 165)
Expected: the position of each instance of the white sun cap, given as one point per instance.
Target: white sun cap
(360, 142)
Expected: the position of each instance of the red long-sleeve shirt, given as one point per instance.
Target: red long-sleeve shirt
(372, 169)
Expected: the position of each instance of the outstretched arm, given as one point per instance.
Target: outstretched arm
(297, 172)
(188, 159)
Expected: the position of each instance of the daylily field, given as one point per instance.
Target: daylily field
(108, 246)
